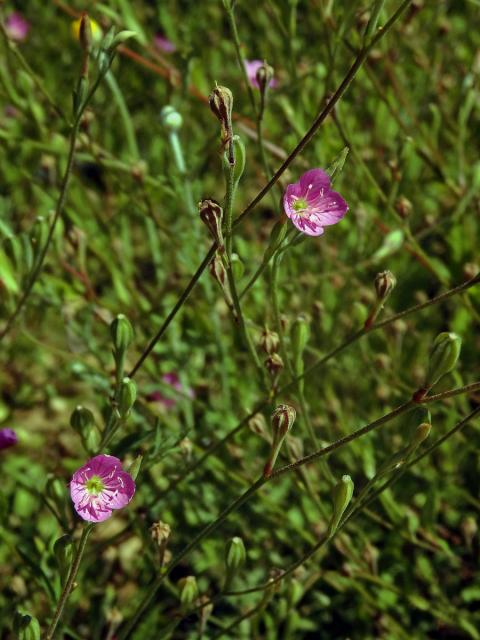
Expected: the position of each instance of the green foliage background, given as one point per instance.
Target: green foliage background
(408, 566)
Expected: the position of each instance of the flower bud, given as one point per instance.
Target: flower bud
(188, 590)
(81, 419)
(56, 490)
(63, 549)
(122, 333)
(134, 468)
(238, 268)
(299, 335)
(211, 214)
(85, 33)
(171, 119)
(341, 497)
(421, 434)
(221, 103)
(126, 396)
(269, 341)
(274, 364)
(444, 354)
(469, 529)
(384, 284)
(218, 271)
(282, 419)
(25, 627)
(264, 76)
(235, 554)
(403, 207)
(160, 532)
(120, 38)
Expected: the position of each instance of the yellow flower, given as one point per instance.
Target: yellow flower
(96, 30)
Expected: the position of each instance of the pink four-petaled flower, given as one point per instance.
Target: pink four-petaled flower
(8, 438)
(252, 66)
(311, 205)
(17, 27)
(99, 487)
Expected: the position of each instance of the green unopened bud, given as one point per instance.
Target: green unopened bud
(120, 38)
(264, 76)
(283, 419)
(240, 155)
(171, 119)
(341, 497)
(211, 214)
(122, 333)
(81, 419)
(56, 490)
(277, 236)
(63, 550)
(126, 396)
(444, 354)
(188, 590)
(299, 335)
(85, 33)
(134, 468)
(238, 268)
(80, 94)
(26, 627)
(269, 341)
(337, 165)
(421, 434)
(235, 554)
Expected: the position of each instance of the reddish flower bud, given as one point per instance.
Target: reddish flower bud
(211, 214)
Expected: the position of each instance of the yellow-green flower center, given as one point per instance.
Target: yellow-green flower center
(300, 205)
(94, 485)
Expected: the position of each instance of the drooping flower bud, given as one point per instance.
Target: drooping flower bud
(211, 214)
(235, 554)
(218, 271)
(188, 590)
(26, 627)
(385, 283)
(63, 549)
(127, 395)
(122, 333)
(283, 419)
(469, 529)
(341, 497)
(421, 434)
(160, 532)
(269, 341)
(403, 207)
(171, 119)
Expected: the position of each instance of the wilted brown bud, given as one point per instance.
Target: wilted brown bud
(282, 420)
(269, 341)
(384, 284)
(160, 532)
(85, 33)
(218, 271)
(403, 207)
(211, 214)
(274, 364)
(221, 104)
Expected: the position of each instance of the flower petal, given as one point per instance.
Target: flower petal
(119, 494)
(292, 193)
(329, 208)
(313, 183)
(307, 225)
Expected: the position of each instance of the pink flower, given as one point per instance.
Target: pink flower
(171, 378)
(100, 486)
(17, 27)
(164, 44)
(8, 438)
(311, 205)
(252, 66)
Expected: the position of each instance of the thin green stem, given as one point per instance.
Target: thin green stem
(70, 581)
(128, 128)
(241, 63)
